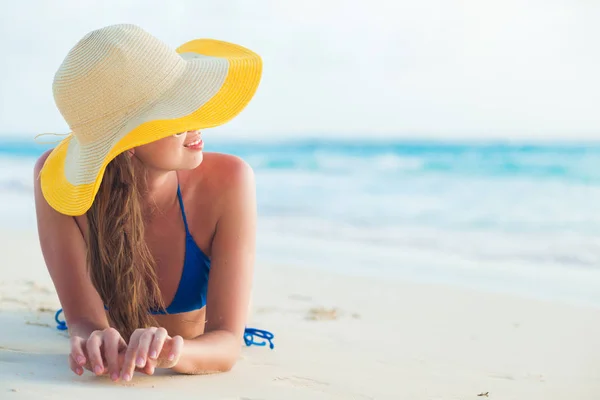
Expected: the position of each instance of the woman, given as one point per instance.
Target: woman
(149, 242)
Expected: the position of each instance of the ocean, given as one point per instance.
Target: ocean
(503, 216)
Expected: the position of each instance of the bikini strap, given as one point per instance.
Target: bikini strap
(187, 231)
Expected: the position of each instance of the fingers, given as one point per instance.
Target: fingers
(175, 352)
(149, 347)
(112, 344)
(74, 366)
(106, 351)
(77, 359)
(157, 343)
(146, 339)
(164, 352)
(128, 366)
(149, 368)
(93, 344)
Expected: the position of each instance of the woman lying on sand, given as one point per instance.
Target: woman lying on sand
(132, 216)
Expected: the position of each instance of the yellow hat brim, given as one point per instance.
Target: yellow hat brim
(242, 80)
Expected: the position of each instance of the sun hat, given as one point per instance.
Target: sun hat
(120, 87)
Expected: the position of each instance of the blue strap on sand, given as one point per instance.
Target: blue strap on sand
(62, 325)
(249, 333)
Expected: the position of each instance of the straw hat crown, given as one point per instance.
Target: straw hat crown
(110, 72)
(120, 87)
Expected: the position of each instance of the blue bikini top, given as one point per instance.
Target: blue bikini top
(193, 287)
(193, 284)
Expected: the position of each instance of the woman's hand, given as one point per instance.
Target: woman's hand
(98, 353)
(149, 349)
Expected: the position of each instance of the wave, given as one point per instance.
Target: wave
(566, 162)
(452, 187)
(539, 248)
(576, 163)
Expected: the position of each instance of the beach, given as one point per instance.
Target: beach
(336, 337)
(385, 271)
(427, 187)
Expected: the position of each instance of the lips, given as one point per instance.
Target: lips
(194, 142)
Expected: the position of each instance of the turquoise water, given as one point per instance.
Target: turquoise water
(456, 186)
(503, 214)
(562, 161)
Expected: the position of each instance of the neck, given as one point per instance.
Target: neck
(161, 189)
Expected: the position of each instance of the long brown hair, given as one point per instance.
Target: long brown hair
(120, 264)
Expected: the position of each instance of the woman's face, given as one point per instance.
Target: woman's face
(176, 152)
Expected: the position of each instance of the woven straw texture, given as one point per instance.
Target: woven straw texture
(120, 87)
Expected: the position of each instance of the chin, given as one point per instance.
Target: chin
(194, 162)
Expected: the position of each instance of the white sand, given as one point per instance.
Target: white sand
(385, 340)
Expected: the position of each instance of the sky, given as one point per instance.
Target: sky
(355, 69)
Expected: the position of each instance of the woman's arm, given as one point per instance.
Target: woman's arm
(230, 282)
(63, 248)
(64, 251)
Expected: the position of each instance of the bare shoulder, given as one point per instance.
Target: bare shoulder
(227, 169)
(221, 180)
(39, 164)
(225, 173)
